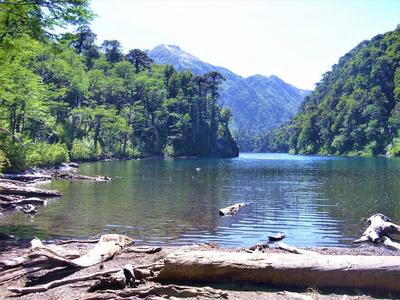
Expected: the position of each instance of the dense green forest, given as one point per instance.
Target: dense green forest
(355, 109)
(64, 97)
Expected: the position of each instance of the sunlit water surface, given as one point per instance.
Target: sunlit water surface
(313, 200)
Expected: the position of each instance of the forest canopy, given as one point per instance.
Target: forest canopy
(64, 97)
(354, 109)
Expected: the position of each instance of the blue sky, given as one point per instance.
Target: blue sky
(296, 40)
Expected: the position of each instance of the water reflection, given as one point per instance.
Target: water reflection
(314, 201)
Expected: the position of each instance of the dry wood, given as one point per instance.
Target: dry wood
(55, 283)
(37, 246)
(172, 290)
(50, 256)
(28, 177)
(231, 210)
(117, 281)
(374, 272)
(12, 189)
(294, 250)
(32, 200)
(74, 176)
(278, 237)
(63, 242)
(390, 244)
(379, 225)
(107, 247)
(143, 249)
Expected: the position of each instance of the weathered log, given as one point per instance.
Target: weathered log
(27, 177)
(373, 272)
(74, 176)
(63, 242)
(143, 249)
(231, 210)
(32, 200)
(11, 189)
(172, 290)
(278, 237)
(107, 247)
(294, 250)
(390, 244)
(52, 284)
(379, 225)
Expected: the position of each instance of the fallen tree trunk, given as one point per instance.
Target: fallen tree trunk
(52, 284)
(11, 189)
(33, 200)
(107, 247)
(231, 210)
(74, 176)
(374, 272)
(379, 226)
(27, 177)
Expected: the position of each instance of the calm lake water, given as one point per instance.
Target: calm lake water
(313, 200)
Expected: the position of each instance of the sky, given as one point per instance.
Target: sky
(296, 40)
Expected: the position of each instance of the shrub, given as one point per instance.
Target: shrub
(46, 155)
(85, 150)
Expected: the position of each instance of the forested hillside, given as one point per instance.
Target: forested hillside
(65, 97)
(259, 103)
(354, 109)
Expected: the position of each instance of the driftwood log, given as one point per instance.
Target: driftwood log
(173, 290)
(28, 177)
(278, 237)
(295, 270)
(74, 176)
(231, 210)
(7, 188)
(53, 256)
(107, 247)
(379, 226)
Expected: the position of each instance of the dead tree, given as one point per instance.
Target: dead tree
(379, 226)
(294, 270)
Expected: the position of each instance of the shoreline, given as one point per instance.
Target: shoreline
(233, 290)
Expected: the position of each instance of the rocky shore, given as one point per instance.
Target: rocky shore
(138, 256)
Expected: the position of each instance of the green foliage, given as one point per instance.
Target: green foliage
(38, 18)
(3, 160)
(355, 107)
(44, 154)
(68, 100)
(84, 150)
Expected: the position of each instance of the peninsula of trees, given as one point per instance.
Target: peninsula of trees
(355, 109)
(64, 97)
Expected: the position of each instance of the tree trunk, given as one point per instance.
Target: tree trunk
(296, 270)
(11, 189)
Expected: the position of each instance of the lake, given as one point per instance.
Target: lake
(314, 200)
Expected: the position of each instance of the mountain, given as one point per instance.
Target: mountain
(355, 108)
(259, 103)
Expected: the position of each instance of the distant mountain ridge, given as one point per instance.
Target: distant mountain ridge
(259, 103)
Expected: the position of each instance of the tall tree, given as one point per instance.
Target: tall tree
(139, 59)
(112, 50)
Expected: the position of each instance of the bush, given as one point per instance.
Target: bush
(84, 150)
(46, 155)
